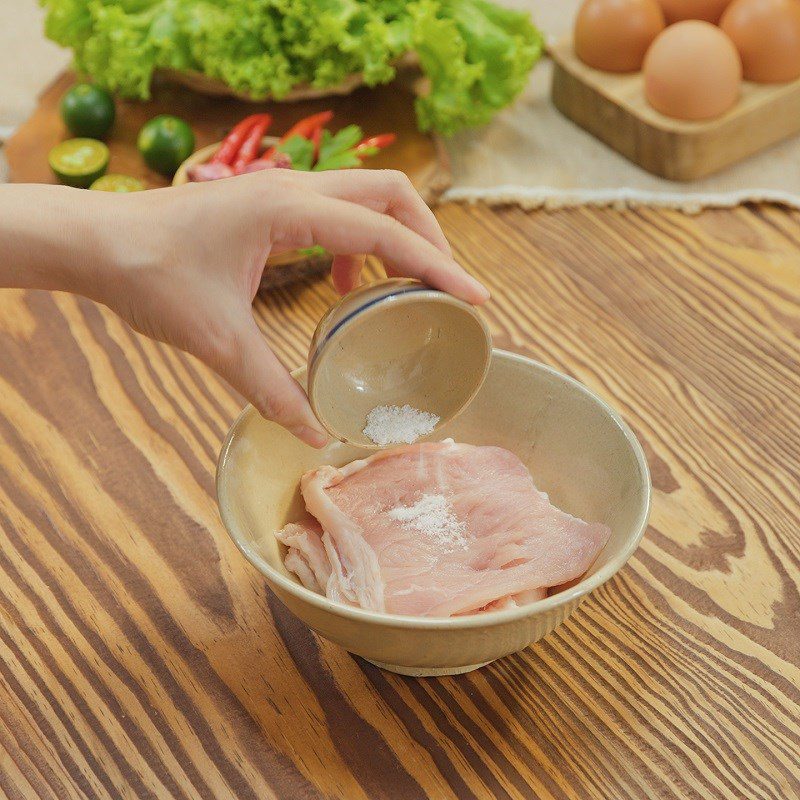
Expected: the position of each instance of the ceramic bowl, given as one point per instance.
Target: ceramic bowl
(577, 448)
(395, 342)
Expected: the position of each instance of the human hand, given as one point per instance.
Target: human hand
(182, 265)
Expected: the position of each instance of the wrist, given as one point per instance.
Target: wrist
(49, 238)
(129, 244)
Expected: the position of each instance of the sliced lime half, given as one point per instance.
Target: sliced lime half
(117, 183)
(79, 162)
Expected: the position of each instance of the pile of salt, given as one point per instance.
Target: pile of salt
(433, 515)
(398, 424)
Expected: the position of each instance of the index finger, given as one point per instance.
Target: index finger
(346, 228)
(385, 190)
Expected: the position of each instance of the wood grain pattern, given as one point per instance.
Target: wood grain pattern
(613, 108)
(141, 656)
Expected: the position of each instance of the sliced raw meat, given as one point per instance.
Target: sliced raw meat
(436, 529)
(306, 557)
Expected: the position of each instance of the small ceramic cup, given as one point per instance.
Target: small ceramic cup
(395, 342)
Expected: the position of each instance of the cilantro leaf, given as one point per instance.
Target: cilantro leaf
(337, 151)
(300, 150)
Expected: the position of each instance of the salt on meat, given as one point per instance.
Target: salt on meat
(435, 529)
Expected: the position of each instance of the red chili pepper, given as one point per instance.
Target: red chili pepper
(233, 141)
(380, 141)
(305, 128)
(316, 138)
(252, 143)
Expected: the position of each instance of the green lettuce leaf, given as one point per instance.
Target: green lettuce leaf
(475, 55)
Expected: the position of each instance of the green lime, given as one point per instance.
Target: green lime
(165, 142)
(117, 183)
(79, 162)
(88, 110)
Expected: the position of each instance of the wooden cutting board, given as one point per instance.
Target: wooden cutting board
(613, 108)
(386, 108)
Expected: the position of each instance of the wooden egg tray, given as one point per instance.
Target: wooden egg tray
(613, 108)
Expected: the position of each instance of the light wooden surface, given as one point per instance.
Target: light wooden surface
(613, 108)
(142, 657)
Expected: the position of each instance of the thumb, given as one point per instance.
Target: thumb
(250, 366)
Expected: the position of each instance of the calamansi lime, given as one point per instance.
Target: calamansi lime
(88, 110)
(165, 142)
(79, 162)
(117, 183)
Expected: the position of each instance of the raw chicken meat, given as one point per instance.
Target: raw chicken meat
(435, 529)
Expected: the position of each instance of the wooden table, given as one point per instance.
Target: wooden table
(142, 657)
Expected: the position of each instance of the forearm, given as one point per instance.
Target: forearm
(51, 237)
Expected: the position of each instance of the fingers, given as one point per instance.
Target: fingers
(345, 228)
(245, 360)
(386, 191)
(346, 272)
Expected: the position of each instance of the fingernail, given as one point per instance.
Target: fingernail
(310, 436)
(481, 292)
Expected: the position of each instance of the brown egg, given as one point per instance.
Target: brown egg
(614, 35)
(767, 35)
(692, 71)
(677, 10)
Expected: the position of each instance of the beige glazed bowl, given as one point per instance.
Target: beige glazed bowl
(577, 448)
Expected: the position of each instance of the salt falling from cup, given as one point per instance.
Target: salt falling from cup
(398, 424)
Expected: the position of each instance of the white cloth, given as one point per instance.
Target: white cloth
(529, 154)
(28, 61)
